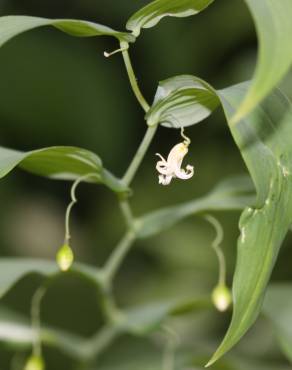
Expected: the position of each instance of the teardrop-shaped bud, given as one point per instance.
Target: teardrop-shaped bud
(35, 363)
(65, 257)
(221, 297)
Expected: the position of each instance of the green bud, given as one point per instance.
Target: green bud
(221, 297)
(35, 363)
(65, 257)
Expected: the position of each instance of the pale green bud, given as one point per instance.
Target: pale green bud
(65, 257)
(35, 363)
(221, 297)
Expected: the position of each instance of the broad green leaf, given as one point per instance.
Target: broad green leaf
(233, 194)
(59, 162)
(13, 25)
(182, 101)
(265, 141)
(278, 308)
(274, 27)
(152, 13)
(13, 270)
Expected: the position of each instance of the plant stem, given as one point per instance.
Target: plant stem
(96, 345)
(127, 213)
(36, 320)
(216, 246)
(116, 258)
(136, 161)
(132, 77)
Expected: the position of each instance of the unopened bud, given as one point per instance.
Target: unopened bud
(221, 297)
(35, 363)
(65, 257)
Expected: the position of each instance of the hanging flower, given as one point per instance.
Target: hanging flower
(171, 168)
(221, 297)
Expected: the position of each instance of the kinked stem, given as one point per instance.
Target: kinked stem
(132, 77)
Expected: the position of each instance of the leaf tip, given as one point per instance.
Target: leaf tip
(214, 358)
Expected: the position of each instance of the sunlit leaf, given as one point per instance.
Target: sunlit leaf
(232, 194)
(13, 25)
(265, 142)
(274, 27)
(182, 101)
(59, 162)
(152, 13)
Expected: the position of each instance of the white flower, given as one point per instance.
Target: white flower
(171, 168)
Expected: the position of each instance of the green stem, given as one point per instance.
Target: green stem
(132, 77)
(127, 213)
(172, 342)
(100, 342)
(116, 258)
(216, 246)
(36, 320)
(136, 161)
(74, 201)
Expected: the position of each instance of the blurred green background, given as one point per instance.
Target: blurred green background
(60, 90)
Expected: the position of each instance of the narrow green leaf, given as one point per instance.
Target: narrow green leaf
(13, 25)
(265, 142)
(233, 194)
(274, 27)
(13, 270)
(152, 13)
(59, 162)
(278, 309)
(182, 101)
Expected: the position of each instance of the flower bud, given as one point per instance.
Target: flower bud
(35, 363)
(65, 257)
(221, 297)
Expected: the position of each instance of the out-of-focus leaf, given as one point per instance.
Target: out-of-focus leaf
(233, 194)
(144, 319)
(278, 308)
(264, 139)
(152, 13)
(274, 27)
(13, 25)
(63, 163)
(16, 331)
(182, 101)
(240, 363)
(14, 269)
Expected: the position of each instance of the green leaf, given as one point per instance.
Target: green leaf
(143, 319)
(244, 363)
(152, 13)
(265, 141)
(233, 194)
(278, 309)
(274, 27)
(59, 162)
(182, 101)
(13, 25)
(13, 270)
(16, 331)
